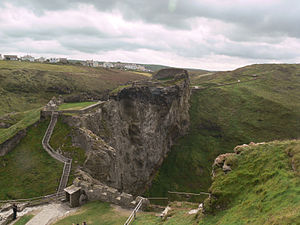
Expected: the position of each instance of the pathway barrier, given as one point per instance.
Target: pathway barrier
(67, 162)
(51, 196)
(132, 216)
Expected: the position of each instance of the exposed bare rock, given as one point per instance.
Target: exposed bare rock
(133, 132)
(170, 73)
(221, 162)
(238, 149)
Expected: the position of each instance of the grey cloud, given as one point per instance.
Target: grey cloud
(247, 26)
(263, 18)
(49, 33)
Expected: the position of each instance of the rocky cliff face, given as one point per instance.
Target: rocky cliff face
(128, 138)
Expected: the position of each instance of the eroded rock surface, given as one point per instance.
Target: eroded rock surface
(127, 138)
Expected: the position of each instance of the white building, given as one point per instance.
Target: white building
(63, 60)
(91, 63)
(27, 58)
(11, 57)
(131, 66)
(1, 58)
(53, 60)
(41, 60)
(108, 65)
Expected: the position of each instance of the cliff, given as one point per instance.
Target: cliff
(128, 137)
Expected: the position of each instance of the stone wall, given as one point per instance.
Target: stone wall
(11, 143)
(97, 191)
(45, 113)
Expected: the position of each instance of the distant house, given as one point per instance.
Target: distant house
(27, 58)
(131, 66)
(1, 58)
(41, 60)
(11, 57)
(141, 68)
(53, 60)
(108, 65)
(119, 65)
(63, 60)
(91, 63)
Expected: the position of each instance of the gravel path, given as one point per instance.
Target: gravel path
(50, 213)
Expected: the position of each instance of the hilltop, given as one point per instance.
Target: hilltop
(25, 87)
(254, 103)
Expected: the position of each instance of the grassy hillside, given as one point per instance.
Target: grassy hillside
(263, 106)
(28, 171)
(262, 188)
(25, 85)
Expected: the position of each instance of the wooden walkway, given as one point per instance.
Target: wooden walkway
(67, 162)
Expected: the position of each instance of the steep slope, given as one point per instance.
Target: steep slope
(258, 184)
(262, 187)
(263, 106)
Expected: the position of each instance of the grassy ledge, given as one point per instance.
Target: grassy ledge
(75, 105)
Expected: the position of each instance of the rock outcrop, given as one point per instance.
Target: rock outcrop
(172, 73)
(127, 139)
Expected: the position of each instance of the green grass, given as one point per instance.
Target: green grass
(61, 139)
(95, 213)
(99, 213)
(262, 188)
(75, 105)
(178, 215)
(25, 85)
(28, 171)
(264, 109)
(116, 90)
(24, 219)
(20, 121)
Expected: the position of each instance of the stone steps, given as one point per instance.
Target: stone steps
(67, 162)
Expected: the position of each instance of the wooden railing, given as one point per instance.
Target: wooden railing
(67, 162)
(34, 199)
(132, 216)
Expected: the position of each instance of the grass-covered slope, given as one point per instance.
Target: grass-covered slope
(263, 106)
(25, 85)
(96, 213)
(61, 140)
(28, 170)
(262, 188)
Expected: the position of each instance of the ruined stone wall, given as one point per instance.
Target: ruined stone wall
(11, 143)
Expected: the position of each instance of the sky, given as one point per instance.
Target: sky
(204, 34)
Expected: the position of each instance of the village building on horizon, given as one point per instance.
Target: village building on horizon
(89, 63)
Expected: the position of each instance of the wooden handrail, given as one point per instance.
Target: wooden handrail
(132, 216)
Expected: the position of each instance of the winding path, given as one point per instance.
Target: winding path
(67, 162)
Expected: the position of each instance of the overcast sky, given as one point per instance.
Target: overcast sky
(207, 34)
